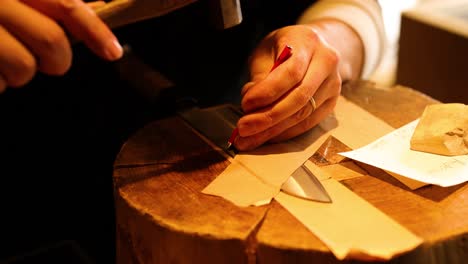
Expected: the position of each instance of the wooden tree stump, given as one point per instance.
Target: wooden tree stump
(162, 216)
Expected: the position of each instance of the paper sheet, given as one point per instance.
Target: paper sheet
(392, 153)
(350, 226)
(255, 177)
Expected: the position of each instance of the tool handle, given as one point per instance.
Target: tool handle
(112, 8)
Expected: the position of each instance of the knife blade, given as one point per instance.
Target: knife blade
(304, 184)
(216, 124)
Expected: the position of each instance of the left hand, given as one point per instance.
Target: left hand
(276, 104)
(33, 38)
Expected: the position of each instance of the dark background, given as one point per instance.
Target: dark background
(59, 136)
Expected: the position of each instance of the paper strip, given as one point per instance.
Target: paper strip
(350, 226)
(271, 165)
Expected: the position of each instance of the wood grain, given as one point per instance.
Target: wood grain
(163, 218)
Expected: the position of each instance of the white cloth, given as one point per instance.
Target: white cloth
(364, 16)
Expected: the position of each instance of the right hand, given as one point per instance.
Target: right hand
(32, 38)
(276, 104)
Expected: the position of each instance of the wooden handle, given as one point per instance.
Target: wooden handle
(112, 8)
(106, 11)
(138, 10)
(225, 13)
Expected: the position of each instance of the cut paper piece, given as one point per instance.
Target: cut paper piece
(231, 185)
(392, 153)
(272, 164)
(350, 226)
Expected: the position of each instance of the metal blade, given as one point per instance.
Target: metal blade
(215, 123)
(303, 184)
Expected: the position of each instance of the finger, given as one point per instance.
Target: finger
(83, 23)
(96, 4)
(3, 84)
(319, 114)
(329, 88)
(251, 142)
(277, 83)
(247, 87)
(260, 64)
(17, 65)
(42, 36)
(265, 118)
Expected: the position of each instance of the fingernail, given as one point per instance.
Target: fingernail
(114, 50)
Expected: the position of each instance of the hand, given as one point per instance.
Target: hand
(276, 104)
(33, 39)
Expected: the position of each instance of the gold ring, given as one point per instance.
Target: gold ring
(312, 102)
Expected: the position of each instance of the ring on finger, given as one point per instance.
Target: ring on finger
(312, 103)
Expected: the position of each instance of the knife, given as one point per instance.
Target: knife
(304, 184)
(216, 124)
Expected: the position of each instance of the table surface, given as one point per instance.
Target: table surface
(161, 170)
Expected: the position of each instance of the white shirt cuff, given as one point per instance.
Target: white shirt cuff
(369, 26)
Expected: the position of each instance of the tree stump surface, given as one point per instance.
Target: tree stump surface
(162, 216)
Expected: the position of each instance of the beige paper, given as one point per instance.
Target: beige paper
(256, 176)
(237, 182)
(350, 226)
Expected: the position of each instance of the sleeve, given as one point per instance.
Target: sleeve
(364, 16)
